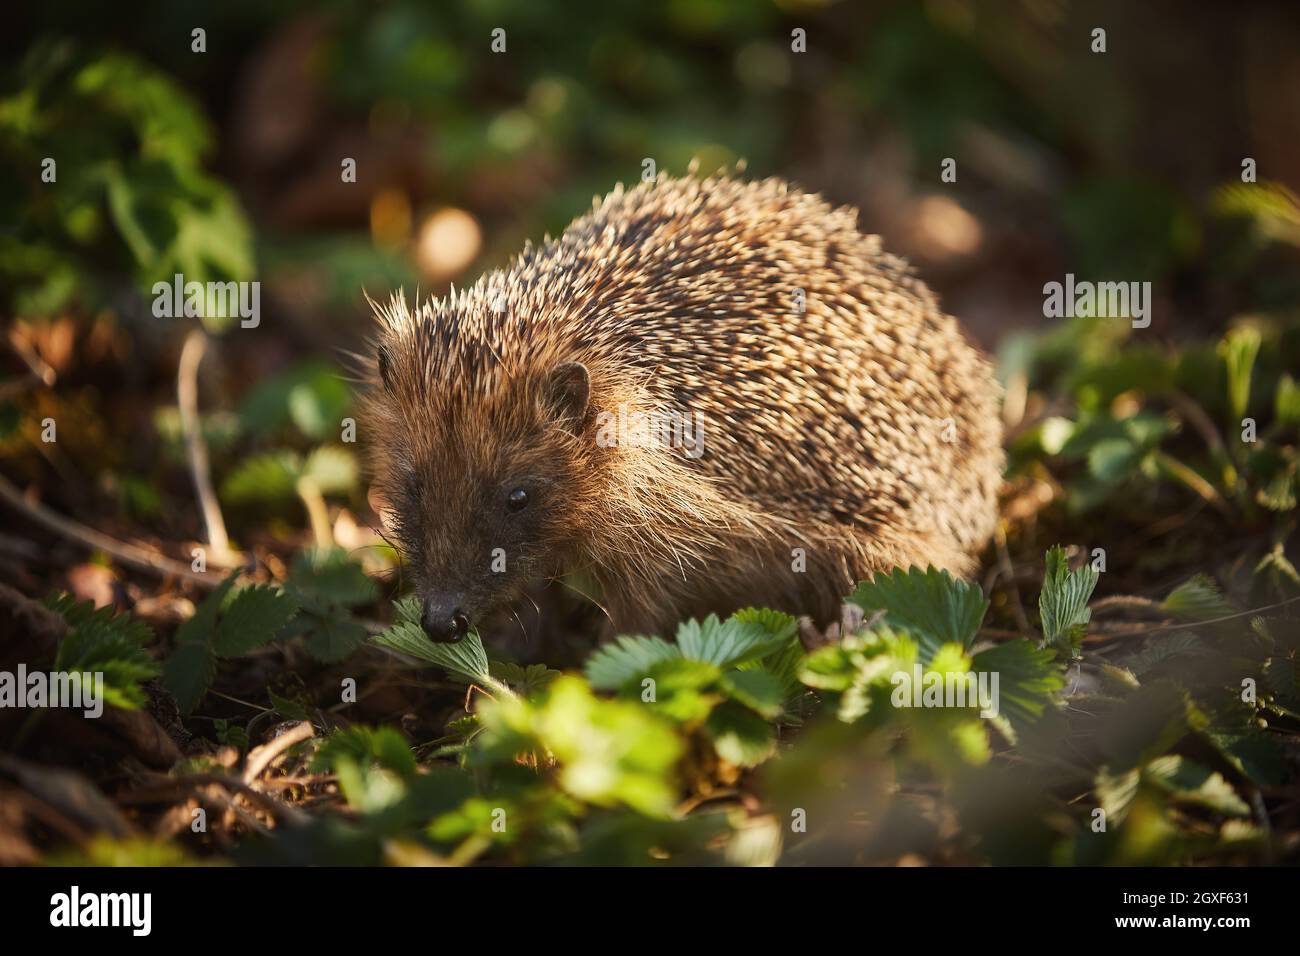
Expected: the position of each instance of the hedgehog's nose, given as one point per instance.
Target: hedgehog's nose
(442, 618)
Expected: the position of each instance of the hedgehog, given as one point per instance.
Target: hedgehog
(706, 394)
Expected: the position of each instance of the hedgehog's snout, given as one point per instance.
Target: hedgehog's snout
(443, 617)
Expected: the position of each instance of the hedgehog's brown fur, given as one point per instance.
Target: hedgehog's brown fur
(863, 430)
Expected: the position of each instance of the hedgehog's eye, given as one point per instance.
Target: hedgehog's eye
(517, 500)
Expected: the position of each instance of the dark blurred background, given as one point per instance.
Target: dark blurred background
(1068, 160)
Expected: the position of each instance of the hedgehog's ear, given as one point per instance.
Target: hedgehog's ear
(568, 389)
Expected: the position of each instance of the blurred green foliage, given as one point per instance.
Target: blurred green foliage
(105, 184)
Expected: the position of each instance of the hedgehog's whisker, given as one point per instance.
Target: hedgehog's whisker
(603, 610)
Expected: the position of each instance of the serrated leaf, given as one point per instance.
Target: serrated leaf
(1265, 202)
(1239, 350)
(829, 668)
(1165, 647)
(607, 751)
(288, 709)
(526, 680)
(759, 690)
(1063, 603)
(1280, 492)
(1197, 599)
(785, 663)
(325, 579)
(1116, 792)
(255, 616)
(730, 642)
(779, 625)
(189, 673)
(465, 658)
(627, 660)
(740, 735)
(101, 641)
(1252, 751)
(335, 638)
(407, 609)
(1029, 678)
(1189, 782)
(933, 606)
(200, 628)
(679, 689)
(269, 478)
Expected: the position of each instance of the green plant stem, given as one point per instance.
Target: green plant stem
(1187, 477)
(497, 686)
(317, 511)
(1126, 602)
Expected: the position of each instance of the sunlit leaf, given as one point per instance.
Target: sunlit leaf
(935, 607)
(740, 735)
(1063, 602)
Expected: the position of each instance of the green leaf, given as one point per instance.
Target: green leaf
(1029, 678)
(758, 690)
(1162, 648)
(787, 659)
(1280, 492)
(334, 638)
(606, 751)
(1286, 401)
(1144, 726)
(1197, 599)
(1063, 603)
(779, 626)
(310, 394)
(267, 478)
(323, 580)
(200, 628)
(743, 638)
(465, 658)
(730, 642)
(255, 616)
(1116, 792)
(933, 606)
(1239, 350)
(740, 735)
(101, 641)
(830, 668)
(627, 660)
(526, 680)
(680, 689)
(189, 673)
(383, 746)
(1189, 782)
(785, 664)
(1253, 752)
(190, 669)
(231, 734)
(288, 709)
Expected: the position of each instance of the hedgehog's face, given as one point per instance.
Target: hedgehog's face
(481, 492)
